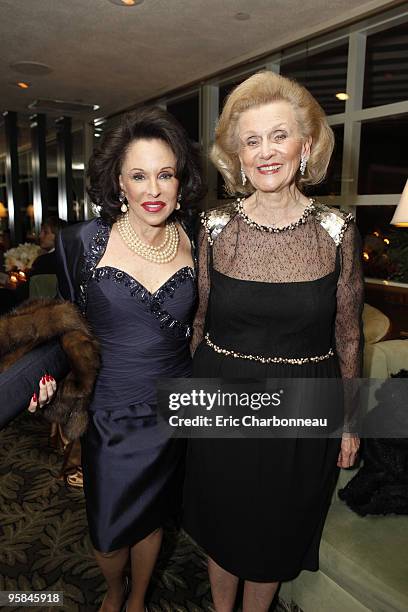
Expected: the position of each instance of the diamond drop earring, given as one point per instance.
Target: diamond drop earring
(243, 177)
(302, 167)
(122, 199)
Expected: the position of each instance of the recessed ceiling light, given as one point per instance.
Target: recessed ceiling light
(31, 68)
(96, 107)
(242, 16)
(126, 2)
(61, 107)
(23, 85)
(342, 96)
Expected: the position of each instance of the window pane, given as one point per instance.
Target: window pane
(383, 156)
(225, 90)
(386, 67)
(332, 184)
(323, 74)
(187, 113)
(384, 246)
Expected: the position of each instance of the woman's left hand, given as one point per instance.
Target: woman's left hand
(47, 388)
(350, 443)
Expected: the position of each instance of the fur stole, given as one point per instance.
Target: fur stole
(38, 321)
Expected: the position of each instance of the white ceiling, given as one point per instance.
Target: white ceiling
(115, 56)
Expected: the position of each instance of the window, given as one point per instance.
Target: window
(386, 70)
(332, 183)
(384, 247)
(383, 155)
(324, 74)
(186, 111)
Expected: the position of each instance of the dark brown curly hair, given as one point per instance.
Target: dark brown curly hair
(107, 159)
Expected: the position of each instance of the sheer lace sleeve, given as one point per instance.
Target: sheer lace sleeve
(348, 325)
(203, 288)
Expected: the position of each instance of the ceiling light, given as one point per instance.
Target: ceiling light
(242, 16)
(23, 85)
(62, 107)
(97, 135)
(126, 2)
(96, 107)
(342, 96)
(99, 120)
(31, 68)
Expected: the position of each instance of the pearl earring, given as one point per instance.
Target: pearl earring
(122, 199)
(178, 206)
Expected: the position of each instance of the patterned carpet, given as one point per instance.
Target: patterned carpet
(44, 542)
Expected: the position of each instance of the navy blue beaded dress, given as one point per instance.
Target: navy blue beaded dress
(132, 468)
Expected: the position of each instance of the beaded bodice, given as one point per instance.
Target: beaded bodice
(291, 292)
(142, 336)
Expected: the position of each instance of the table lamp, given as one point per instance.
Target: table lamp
(400, 218)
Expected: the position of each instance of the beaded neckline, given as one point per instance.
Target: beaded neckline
(152, 301)
(239, 205)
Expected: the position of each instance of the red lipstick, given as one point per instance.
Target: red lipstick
(153, 207)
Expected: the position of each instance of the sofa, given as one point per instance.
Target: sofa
(363, 560)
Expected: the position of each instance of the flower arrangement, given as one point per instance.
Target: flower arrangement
(21, 257)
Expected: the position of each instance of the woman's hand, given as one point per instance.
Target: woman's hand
(350, 443)
(48, 387)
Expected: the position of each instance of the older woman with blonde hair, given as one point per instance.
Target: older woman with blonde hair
(280, 296)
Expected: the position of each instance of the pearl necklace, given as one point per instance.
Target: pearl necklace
(165, 252)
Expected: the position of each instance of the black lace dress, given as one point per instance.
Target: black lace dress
(258, 506)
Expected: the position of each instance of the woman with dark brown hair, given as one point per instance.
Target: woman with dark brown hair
(132, 274)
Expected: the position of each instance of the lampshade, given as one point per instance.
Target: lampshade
(400, 218)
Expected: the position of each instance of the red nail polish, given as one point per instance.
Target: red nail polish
(47, 377)
(34, 397)
(43, 380)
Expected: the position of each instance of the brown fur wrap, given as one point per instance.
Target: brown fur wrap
(38, 321)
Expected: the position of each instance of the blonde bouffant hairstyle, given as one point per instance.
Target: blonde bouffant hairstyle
(263, 88)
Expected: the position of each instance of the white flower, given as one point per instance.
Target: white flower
(21, 257)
